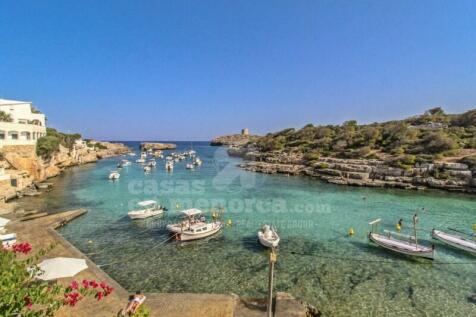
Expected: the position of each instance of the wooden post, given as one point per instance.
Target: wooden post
(272, 260)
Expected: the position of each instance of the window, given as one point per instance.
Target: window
(13, 135)
(2, 135)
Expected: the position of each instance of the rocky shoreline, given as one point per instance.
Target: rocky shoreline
(144, 146)
(24, 170)
(448, 176)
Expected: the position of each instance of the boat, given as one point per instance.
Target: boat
(169, 165)
(152, 163)
(410, 247)
(189, 166)
(126, 162)
(197, 161)
(194, 226)
(113, 175)
(149, 208)
(455, 241)
(140, 161)
(132, 154)
(147, 168)
(268, 237)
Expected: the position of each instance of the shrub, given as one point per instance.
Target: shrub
(21, 294)
(469, 160)
(322, 165)
(47, 145)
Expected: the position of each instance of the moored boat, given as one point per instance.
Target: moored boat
(268, 237)
(455, 241)
(149, 208)
(410, 247)
(113, 175)
(194, 226)
(189, 166)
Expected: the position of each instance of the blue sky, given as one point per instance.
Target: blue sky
(190, 70)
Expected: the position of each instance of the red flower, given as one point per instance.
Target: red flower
(24, 248)
(72, 298)
(99, 295)
(74, 285)
(103, 285)
(93, 284)
(85, 283)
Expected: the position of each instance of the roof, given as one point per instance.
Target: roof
(191, 212)
(9, 102)
(146, 203)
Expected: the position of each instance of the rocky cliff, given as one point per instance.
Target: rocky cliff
(23, 167)
(450, 176)
(231, 140)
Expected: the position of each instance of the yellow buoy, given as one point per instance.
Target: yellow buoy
(474, 226)
(229, 222)
(350, 232)
(90, 241)
(177, 206)
(398, 227)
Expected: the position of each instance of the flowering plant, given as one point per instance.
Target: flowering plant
(22, 294)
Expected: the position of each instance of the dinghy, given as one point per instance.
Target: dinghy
(113, 175)
(410, 247)
(268, 237)
(455, 241)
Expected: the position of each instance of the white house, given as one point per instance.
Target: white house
(26, 126)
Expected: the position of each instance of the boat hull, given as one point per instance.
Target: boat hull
(402, 247)
(266, 242)
(455, 241)
(138, 215)
(185, 235)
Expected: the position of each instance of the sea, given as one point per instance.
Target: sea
(317, 260)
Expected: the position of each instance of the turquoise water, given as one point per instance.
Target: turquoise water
(317, 262)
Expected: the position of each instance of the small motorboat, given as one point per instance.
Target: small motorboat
(147, 168)
(140, 161)
(125, 163)
(149, 208)
(197, 161)
(194, 226)
(268, 237)
(132, 154)
(410, 247)
(169, 165)
(189, 166)
(152, 163)
(113, 175)
(455, 241)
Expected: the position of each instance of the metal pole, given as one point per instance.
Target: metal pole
(272, 260)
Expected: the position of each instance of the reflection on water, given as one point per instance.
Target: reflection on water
(316, 261)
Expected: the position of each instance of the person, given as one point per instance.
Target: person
(134, 303)
(399, 225)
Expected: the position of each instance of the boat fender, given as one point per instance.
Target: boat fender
(350, 232)
(474, 226)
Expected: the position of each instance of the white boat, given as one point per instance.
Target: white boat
(189, 166)
(125, 163)
(197, 161)
(169, 165)
(194, 226)
(113, 175)
(268, 237)
(455, 241)
(410, 247)
(152, 163)
(147, 168)
(132, 154)
(149, 208)
(141, 160)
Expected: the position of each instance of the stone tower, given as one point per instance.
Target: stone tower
(245, 132)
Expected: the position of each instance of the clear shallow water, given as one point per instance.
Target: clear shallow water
(317, 262)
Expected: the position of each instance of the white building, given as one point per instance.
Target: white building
(26, 126)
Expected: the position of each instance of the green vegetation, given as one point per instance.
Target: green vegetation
(96, 145)
(50, 143)
(402, 143)
(5, 117)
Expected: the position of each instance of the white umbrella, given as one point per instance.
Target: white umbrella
(61, 267)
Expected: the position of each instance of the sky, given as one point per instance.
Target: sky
(192, 70)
